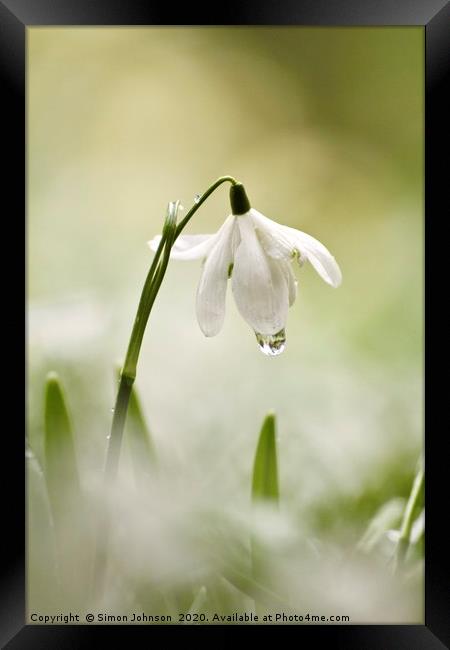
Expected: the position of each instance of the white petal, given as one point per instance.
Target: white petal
(154, 243)
(212, 287)
(187, 247)
(260, 286)
(290, 279)
(281, 242)
(274, 240)
(320, 257)
(192, 247)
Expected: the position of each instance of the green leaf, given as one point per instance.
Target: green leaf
(265, 467)
(265, 492)
(138, 436)
(141, 445)
(61, 471)
(412, 509)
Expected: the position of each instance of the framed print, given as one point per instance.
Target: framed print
(231, 226)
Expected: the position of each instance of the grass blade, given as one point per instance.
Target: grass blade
(140, 442)
(265, 492)
(61, 470)
(71, 524)
(413, 506)
(265, 467)
(139, 439)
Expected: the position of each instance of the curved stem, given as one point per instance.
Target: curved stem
(128, 373)
(150, 290)
(202, 199)
(153, 282)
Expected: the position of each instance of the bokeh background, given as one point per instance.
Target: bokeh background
(325, 128)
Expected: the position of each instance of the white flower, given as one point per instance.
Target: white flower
(257, 253)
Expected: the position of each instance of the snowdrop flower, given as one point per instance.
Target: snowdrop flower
(256, 253)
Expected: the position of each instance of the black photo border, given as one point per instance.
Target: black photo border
(434, 16)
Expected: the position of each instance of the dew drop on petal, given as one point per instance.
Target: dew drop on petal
(197, 198)
(272, 344)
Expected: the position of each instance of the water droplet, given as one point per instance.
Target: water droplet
(108, 436)
(272, 344)
(112, 410)
(197, 198)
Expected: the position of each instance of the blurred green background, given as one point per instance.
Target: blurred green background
(325, 128)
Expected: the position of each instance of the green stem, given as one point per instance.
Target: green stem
(408, 518)
(150, 290)
(202, 199)
(151, 287)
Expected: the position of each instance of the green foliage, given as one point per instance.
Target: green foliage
(411, 514)
(265, 491)
(70, 514)
(140, 442)
(139, 438)
(61, 470)
(265, 468)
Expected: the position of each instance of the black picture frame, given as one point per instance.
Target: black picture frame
(434, 16)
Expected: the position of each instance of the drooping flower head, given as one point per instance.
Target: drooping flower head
(257, 254)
